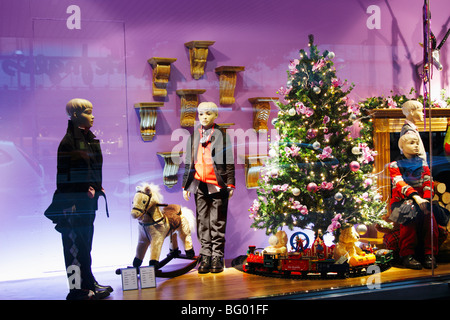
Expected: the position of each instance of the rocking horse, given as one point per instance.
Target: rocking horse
(155, 224)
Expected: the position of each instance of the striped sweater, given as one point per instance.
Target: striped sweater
(409, 177)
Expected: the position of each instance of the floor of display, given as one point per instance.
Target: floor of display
(232, 284)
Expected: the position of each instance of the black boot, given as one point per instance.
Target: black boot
(411, 263)
(217, 264)
(84, 294)
(80, 294)
(205, 264)
(99, 287)
(429, 262)
(102, 294)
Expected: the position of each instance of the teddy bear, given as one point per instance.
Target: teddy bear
(278, 243)
(346, 247)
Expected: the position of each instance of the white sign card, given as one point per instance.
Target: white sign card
(129, 279)
(147, 276)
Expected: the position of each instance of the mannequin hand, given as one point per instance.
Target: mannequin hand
(91, 193)
(186, 195)
(422, 203)
(230, 192)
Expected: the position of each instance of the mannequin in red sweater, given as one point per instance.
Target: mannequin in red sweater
(410, 205)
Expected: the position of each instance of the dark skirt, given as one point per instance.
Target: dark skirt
(406, 211)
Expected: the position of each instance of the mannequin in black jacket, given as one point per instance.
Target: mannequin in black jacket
(79, 184)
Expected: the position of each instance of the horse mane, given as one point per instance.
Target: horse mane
(154, 189)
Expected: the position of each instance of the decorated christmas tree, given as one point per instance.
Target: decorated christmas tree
(319, 171)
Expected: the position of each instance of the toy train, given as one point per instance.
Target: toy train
(313, 262)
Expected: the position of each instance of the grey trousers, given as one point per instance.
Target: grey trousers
(211, 209)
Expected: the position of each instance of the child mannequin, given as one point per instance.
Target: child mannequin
(410, 204)
(209, 175)
(79, 185)
(413, 111)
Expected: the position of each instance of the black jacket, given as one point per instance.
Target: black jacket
(79, 166)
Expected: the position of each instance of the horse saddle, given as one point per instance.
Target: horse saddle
(173, 214)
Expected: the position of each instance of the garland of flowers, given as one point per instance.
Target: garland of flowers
(391, 102)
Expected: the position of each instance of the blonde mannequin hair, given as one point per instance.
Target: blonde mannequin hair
(77, 106)
(405, 137)
(410, 105)
(211, 106)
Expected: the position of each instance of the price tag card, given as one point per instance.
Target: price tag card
(147, 276)
(342, 259)
(129, 279)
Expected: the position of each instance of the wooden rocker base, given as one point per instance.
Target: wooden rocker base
(173, 273)
(178, 272)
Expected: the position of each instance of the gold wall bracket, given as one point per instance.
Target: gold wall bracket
(261, 112)
(161, 73)
(148, 117)
(227, 82)
(253, 165)
(225, 126)
(171, 166)
(198, 54)
(189, 103)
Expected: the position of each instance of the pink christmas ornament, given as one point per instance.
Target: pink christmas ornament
(354, 166)
(312, 187)
(311, 133)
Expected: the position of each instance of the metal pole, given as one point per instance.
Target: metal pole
(427, 65)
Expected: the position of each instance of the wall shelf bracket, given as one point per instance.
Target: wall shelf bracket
(227, 82)
(253, 166)
(148, 117)
(198, 54)
(261, 112)
(161, 73)
(171, 166)
(189, 103)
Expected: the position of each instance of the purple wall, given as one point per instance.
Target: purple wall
(44, 64)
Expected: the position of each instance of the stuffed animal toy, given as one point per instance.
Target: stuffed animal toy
(277, 243)
(346, 247)
(158, 221)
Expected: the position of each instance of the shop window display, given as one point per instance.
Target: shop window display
(318, 173)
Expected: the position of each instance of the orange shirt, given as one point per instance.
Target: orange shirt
(204, 168)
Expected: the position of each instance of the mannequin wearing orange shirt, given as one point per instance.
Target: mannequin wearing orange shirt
(209, 176)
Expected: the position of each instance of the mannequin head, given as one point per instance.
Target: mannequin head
(409, 145)
(207, 113)
(80, 112)
(413, 110)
